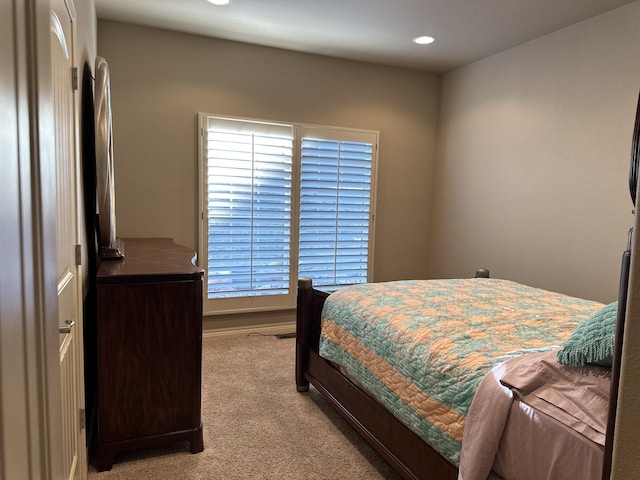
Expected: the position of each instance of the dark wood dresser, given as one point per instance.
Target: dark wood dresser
(149, 349)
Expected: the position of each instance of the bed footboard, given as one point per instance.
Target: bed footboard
(309, 309)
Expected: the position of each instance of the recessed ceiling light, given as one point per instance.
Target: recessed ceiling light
(423, 40)
(218, 2)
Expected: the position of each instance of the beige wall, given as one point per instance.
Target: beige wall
(86, 31)
(161, 79)
(533, 155)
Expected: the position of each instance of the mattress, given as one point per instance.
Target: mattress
(421, 348)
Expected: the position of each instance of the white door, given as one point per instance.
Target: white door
(67, 197)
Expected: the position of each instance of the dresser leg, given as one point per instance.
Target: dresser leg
(197, 442)
(104, 459)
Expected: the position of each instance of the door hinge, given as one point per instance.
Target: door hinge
(83, 419)
(74, 78)
(78, 255)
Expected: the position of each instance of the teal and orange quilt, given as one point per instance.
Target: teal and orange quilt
(421, 347)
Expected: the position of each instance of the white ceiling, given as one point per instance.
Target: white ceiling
(378, 31)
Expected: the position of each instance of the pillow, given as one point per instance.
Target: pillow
(592, 342)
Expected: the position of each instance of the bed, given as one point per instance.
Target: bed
(407, 384)
(510, 386)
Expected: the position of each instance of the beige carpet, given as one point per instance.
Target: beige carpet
(256, 425)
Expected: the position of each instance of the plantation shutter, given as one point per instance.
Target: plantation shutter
(248, 209)
(279, 202)
(336, 182)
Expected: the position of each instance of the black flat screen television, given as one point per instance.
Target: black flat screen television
(109, 245)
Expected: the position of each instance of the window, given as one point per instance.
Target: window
(335, 210)
(281, 201)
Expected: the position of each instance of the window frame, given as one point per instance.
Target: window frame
(277, 302)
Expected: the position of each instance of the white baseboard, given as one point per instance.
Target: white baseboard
(269, 329)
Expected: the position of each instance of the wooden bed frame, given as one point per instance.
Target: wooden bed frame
(411, 456)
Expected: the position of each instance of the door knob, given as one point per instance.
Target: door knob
(66, 328)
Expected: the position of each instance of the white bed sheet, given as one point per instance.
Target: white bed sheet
(533, 419)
